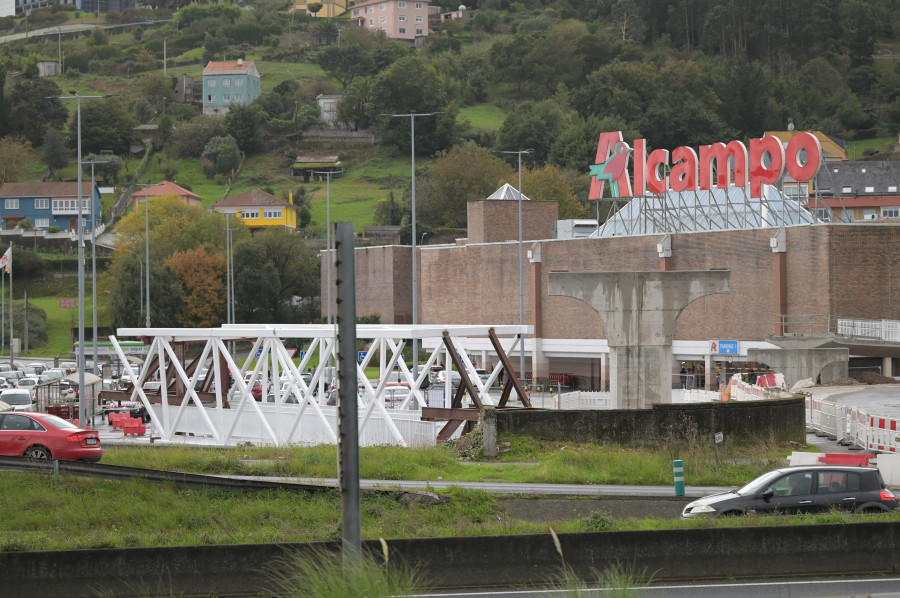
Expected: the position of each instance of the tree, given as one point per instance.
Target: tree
(35, 107)
(54, 154)
(16, 157)
(244, 124)
(354, 108)
(202, 279)
(629, 21)
(508, 58)
(534, 125)
(107, 167)
(221, 156)
(143, 110)
(105, 125)
(548, 184)
(345, 63)
(157, 89)
(189, 140)
(314, 7)
(463, 174)
(270, 270)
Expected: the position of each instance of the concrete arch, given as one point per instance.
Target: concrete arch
(639, 310)
(797, 364)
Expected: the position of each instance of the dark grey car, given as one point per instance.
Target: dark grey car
(803, 489)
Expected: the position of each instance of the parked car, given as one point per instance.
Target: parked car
(13, 375)
(38, 367)
(54, 374)
(69, 367)
(45, 436)
(152, 386)
(19, 399)
(441, 378)
(804, 489)
(27, 383)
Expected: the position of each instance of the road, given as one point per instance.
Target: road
(872, 587)
(73, 28)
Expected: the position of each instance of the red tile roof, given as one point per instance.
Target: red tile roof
(58, 190)
(167, 188)
(227, 66)
(253, 198)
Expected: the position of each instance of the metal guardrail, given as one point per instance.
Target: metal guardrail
(177, 478)
(829, 325)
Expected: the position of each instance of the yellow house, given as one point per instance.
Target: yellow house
(258, 209)
(330, 8)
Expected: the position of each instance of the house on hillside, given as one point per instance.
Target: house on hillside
(165, 188)
(399, 19)
(858, 190)
(259, 210)
(330, 8)
(229, 83)
(315, 168)
(49, 204)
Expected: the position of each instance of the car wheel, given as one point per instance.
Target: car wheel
(38, 452)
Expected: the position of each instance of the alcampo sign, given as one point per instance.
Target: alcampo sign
(764, 163)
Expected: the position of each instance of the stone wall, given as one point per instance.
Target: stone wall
(742, 423)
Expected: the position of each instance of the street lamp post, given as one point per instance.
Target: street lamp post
(415, 283)
(82, 411)
(521, 267)
(147, 250)
(94, 260)
(329, 260)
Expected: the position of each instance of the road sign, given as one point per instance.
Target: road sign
(719, 438)
(723, 347)
(302, 354)
(361, 355)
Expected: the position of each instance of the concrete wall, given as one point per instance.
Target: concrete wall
(690, 554)
(741, 422)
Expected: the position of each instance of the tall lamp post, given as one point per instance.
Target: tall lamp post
(82, 412)
(521, 267)
(415, 283)
(329, 260)
(147, 250)
(94, 260)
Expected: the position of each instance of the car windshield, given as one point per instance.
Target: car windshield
(760, 483)
(16, 398)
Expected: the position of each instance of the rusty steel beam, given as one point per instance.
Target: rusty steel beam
(466, 382)
(510, 373)
(448, 430)
(442, 413)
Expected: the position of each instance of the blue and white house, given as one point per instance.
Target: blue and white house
(49, 204)
(229, 83)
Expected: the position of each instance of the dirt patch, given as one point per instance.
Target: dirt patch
(551, 510)
(843, 382)
(875, 378)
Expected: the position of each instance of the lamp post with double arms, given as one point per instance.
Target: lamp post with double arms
(82, 411)
(521, 267)
(415, 277)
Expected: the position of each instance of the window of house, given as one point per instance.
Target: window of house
(226, 97)
(355, 12)
(418, 32)
(419, 5)
(402, 31)
(226, 82)
(272, 214)
(382, 6)
(846, 189)
(892, 188)
(401, 4)
(823, 215)
(238, 82)
(371, 22)
(212, 82)
(382, 20)
(211, 98)
(418, 19)
(42, 222)
(402, 18)
(890, 212)
(371, 9)
(870, 189)
(42, 204)
(239, 97)
(11, 204)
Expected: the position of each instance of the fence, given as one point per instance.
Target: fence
(853, 426)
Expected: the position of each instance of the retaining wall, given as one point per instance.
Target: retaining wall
(770, 421)
(667, 555)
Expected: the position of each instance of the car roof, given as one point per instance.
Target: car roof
(817, 466)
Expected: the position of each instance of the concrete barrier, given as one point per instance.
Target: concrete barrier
(666, 555)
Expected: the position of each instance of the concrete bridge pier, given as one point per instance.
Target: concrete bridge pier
(798, 363)
(639, 310)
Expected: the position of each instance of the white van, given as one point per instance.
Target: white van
(19, 399)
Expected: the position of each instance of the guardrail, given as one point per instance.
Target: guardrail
(853, 426)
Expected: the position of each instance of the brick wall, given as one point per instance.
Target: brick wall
(497, 220)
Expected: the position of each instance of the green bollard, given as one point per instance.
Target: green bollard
(678, 469)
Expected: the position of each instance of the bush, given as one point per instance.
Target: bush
(53, 229)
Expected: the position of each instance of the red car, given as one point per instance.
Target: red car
(45, 436)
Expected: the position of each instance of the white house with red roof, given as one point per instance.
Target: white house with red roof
(165, 188)
(229, 83)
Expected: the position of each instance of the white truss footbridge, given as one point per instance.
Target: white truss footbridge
(209, 395)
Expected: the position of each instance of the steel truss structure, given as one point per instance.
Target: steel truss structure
(218, 403)
(694, 211)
